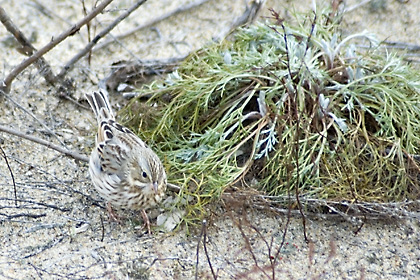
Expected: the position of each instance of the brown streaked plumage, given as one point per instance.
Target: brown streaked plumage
(124, 170)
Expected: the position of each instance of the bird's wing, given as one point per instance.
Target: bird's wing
(116, 145)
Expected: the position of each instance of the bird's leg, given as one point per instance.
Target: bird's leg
(112, 215)
(146, 221)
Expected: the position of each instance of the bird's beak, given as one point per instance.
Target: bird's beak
(155, 187)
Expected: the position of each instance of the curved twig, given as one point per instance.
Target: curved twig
(11, 173)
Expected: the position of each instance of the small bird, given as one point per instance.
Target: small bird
(123, 169)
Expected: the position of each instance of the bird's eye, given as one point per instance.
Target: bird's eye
(144, 174)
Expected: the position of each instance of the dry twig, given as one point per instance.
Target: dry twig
(319, 208)
(11, 173)
(139, 72)
(35, 118)
(156, 20)
(69, 65)
(39, 203)
(50, 145)
(6, 84)
(203, 237)
(251, 13)
(26, 46)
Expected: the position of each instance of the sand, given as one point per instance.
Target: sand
(60, 229)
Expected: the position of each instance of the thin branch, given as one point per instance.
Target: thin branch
(204, 231)
(203, 235)
(47, 11)
(165, 259)
(156, 20)
(27, 48)
(27, 215)
(46, 205)
(250, 14)
(248, 246)
(297, 119)
(69, 65)
(327, 209)
(6, 84)
(11, 173)
(50, 145)
(140, 71)
(197, 254)
(102, 228)
(35, 118)
(402, 45)
(88, 29)
(47, 246)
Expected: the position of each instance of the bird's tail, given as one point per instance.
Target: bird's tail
(100, 106)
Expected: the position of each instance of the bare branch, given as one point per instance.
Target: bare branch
(69, 65)
(204, 231)
(140, 72)
(46, 205)
(27, 215)
(249, 16)
(6, 84)
(35, 118)
(50, 145)
(197, 255)
(402, 46)
(154, 21)
(27, 48)
(47, 11)
(203, 235)
(11, 172)
(45, 247)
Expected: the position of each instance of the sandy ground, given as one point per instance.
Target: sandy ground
(60, 230)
